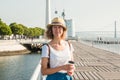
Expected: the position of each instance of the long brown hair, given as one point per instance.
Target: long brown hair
(49, 33)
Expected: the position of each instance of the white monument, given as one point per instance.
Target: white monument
(48, 12)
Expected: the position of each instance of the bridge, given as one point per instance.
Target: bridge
(33, 45)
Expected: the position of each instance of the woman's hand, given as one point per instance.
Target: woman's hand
(69, 68)
(71, 71)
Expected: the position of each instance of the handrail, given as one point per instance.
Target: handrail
(37, 73)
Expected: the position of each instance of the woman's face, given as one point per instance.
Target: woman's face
(57, 31)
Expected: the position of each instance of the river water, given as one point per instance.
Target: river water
(18, 67)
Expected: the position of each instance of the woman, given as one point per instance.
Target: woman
(57, 53)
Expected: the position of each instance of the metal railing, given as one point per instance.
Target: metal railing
(37, 73)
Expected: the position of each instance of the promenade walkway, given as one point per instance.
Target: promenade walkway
(95, 64)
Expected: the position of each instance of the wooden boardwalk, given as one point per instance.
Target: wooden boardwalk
(95, 64)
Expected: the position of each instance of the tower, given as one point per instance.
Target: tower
(70, 27)
(48, 17)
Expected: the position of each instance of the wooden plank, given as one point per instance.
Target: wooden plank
(93, 75)
(95, 67)
(80, 76)
(89, 76)
(82, 64)
(107, 69)
(84, 75)
(75, 76)
(95, 64)
(98, 76)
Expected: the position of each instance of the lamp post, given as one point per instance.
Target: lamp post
(63, 14)
(115, 31)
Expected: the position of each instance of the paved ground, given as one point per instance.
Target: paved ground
(11, 47)
(95, 64)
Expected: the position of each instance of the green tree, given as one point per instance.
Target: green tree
(4, 29)
(42, 31)
(26, 30)
(37, 31)
(30, 33)
(17, 29)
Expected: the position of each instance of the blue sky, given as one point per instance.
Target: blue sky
(88, 15)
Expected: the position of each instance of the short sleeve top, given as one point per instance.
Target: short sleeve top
(58, 58)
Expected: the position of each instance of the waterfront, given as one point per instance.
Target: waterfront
(21, 67)
(115, 48)
(104, 35)
(18, 67)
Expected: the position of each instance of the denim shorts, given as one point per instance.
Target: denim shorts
(58, 76)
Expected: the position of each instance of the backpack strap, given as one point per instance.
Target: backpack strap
(70, 49)
(48, 48)
(48, 65)
(69, 45)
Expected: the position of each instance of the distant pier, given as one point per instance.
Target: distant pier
(104, 40)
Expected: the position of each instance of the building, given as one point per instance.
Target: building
(70, 28)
